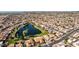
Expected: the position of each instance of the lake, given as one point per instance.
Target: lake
(27, 30)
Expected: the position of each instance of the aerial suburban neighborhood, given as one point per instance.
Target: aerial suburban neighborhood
(39, 29)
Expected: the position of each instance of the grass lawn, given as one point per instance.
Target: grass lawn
(12, 41)
(43, 32)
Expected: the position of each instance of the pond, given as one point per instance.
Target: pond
(27, 30)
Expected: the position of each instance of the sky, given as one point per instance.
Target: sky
(39, 5)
